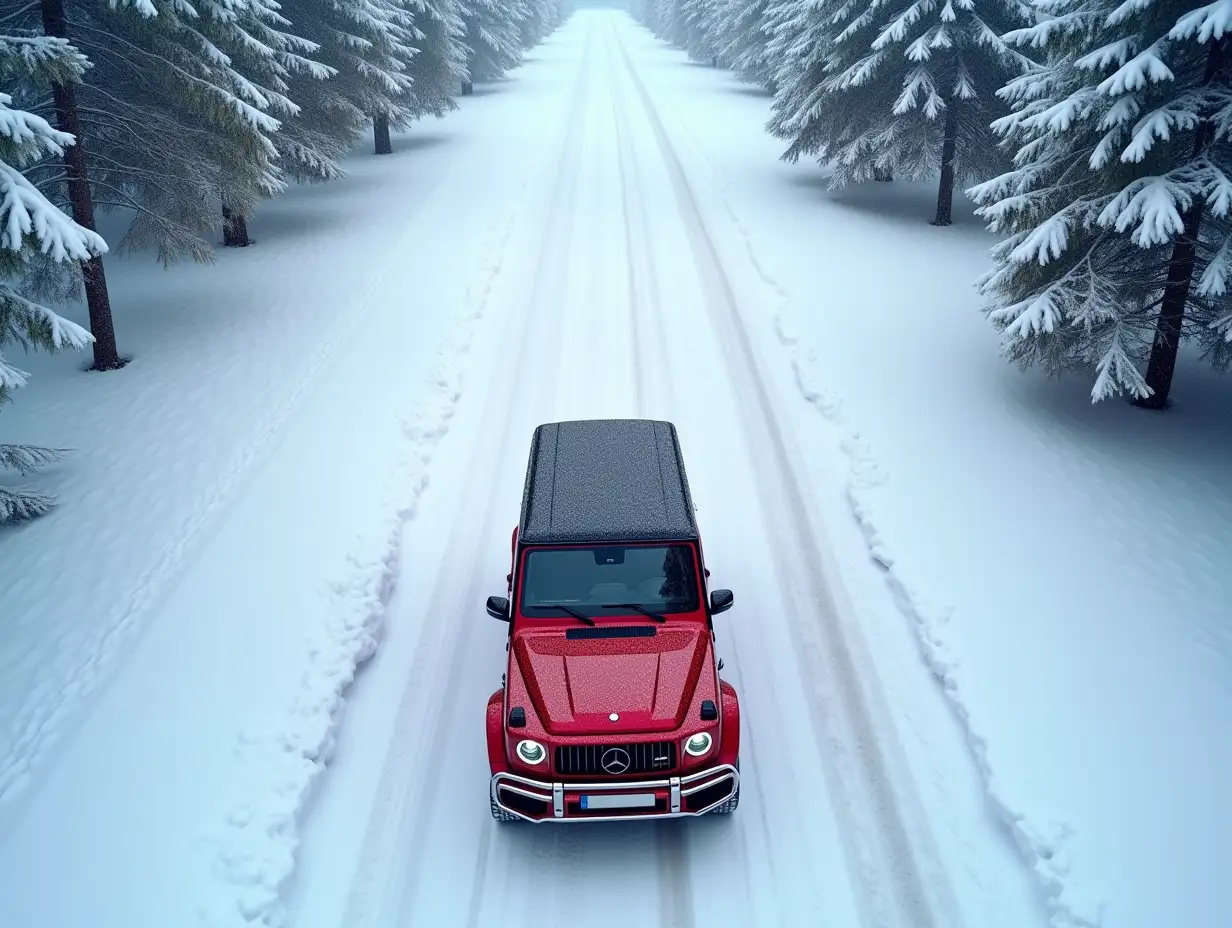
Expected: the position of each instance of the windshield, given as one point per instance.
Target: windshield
(662, 578)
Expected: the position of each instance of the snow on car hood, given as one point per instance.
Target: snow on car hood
(649, 682)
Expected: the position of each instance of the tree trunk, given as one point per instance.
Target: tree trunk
(1162, 363)
(468, 88)
(945, 190)
(234, 228)
(883, 175)
(380, 134)
(98, 301)
(714, 61)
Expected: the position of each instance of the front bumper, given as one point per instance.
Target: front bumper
(674, 797)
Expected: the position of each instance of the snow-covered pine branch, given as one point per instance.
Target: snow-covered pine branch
(367, 47)
(669, 21)
(437, 71)
(21, 504)
(702, 24)
(743, 37)
(160, 106)
(31, 224)
(492, 40)
(1116, 210)
(655, 15)
(276, 67)
(40, 59)
(537, 19)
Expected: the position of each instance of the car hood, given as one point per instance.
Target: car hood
(648, 681)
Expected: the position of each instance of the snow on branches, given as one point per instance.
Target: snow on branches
(492, 40)
(437, 71)
(30, 223)
(1116, 209)
(743, 38)
(895, 86)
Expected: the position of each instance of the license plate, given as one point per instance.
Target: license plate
(619, 801)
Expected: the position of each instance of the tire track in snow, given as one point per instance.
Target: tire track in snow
(382, 892)
(754, 802)
(644, 197)
(860, 774)
(1041, 846)
(633, 272)
(482, 860)
(649, 337)
(676, 906)
(252, 851)
(538, 336)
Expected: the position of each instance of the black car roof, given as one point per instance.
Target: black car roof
(606, 480)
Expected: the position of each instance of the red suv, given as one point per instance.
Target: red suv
(612, 706)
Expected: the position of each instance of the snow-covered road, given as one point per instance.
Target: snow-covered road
(980, 631)
(615, 296)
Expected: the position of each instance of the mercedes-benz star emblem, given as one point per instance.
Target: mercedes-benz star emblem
(615, 760)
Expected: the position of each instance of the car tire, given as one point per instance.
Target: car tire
(500, 814)
(728, 807)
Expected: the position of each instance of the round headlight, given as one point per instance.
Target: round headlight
(531, 751)
(699, 744)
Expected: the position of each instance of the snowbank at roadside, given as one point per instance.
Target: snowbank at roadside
(279, 765)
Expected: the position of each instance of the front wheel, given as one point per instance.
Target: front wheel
(500, 814)
(728, 807)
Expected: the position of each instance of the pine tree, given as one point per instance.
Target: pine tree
(492, 39)
(667, 20)
(1117, 209)
(268, 59)
(650, 14)
(559, 12)
(701, 29)
(77, 184)
(318, 125)
(366, 45)
(439, 67)
(534, 22)
(31, 224)
(801, 40)
(907, 86)
(678, 23)
(171, 122)
(743, 39)
(642, 12)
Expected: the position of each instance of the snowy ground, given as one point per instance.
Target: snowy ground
(1063, 563)
(265, 444)
(323, 441)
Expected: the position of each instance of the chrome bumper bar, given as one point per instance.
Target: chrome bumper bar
(552, 794)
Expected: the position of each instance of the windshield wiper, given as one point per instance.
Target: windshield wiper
(580, 616)
(636, 607)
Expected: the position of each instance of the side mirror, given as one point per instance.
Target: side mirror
(721, 601)
(498, 608)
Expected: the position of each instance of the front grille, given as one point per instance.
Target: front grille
(587, 759)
